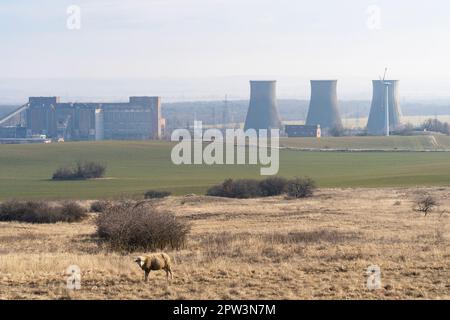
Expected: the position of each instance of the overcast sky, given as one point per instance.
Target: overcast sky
(280, 39)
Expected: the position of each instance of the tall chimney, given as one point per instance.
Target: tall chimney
(323, 107)
(262, 111)
(376, 125)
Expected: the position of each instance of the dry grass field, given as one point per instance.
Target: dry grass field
(273, 248)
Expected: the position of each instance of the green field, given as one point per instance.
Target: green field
(134, 167)
(417, 143)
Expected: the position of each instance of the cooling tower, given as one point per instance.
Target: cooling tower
(323, 107)
(376, 124)
(262, 111)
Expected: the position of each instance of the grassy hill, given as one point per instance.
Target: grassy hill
(134, 167)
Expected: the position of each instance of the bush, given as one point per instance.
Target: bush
(41, 212)
(426, 204)
(246, 188)
(82, 171)
(153, 194)
(273, 186)
(301, 187)
(99, 206)
(241, 189)
(132, 227)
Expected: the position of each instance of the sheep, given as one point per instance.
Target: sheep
(156, 261)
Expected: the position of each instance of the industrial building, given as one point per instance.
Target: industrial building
(323, 106)
(376, 125)
(138, 119)
(262, 111)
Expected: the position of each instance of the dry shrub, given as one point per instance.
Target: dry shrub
(241, 189)
(301, 187)
(273, 186)
(41, 212)
(248, 188)
(100, 206)
(132, 227)
(426, 204)
(82, 171)
(154, 194)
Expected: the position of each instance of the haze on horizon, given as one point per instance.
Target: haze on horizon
(207, 48)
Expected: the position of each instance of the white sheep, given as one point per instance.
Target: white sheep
(156, 261)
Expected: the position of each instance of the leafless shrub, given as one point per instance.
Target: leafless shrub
(154, 194)
(248, 188)
(241, 189)
(273, 186)
(426, 204)
(301, 187)
(100, 206)
(41, 212)
(82, 171)
(131, 227)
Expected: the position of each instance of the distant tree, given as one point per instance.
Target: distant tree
(436, 126)
(406, 130)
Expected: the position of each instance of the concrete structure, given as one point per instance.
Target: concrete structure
(41, 115)
(323, 106)
(262, 112)
(99, 125)
(376, 125)
(138, 119)
(13, 132)
(303, 131)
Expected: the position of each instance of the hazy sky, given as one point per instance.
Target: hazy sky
(222, 38)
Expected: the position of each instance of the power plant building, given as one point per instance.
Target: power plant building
(323, 107)
(376, 125)
(303, 131)
(138, 119)
(262, 111)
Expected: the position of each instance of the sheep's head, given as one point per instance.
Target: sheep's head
(140, 261)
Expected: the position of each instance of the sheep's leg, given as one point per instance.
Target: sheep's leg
(169, 270)
(146, 275)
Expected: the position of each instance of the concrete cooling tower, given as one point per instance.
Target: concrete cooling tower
(262, 111)
(323, 107)
(376, 124)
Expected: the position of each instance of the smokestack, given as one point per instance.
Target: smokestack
(376, 124)
(323, 107)
(262, 111)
